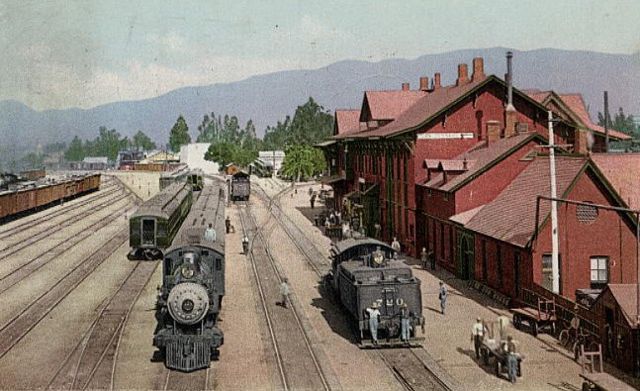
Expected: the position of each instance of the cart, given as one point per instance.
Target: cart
(542, 318)
(491, 350)
(594, 376)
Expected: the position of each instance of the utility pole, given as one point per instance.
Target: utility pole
(555, 272)
(606, 121)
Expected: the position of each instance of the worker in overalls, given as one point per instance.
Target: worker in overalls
(405, 323)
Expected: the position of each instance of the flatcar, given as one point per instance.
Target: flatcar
(363, 272)
(190, 298)
(240, 186)
(154, 225)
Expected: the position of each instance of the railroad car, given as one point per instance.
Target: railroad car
(240, 186)
(364, 272)
(28, 196)
(193, 177)
(153, 226)
(190, 298)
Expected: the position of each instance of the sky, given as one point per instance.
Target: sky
(61, 54)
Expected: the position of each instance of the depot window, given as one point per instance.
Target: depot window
(599, 271)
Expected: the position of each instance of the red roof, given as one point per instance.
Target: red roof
(510, 217)
(480, 158)
(627, 297)
(621, 170)
(424, 108)
(388, 105)
(347, 121)
(575, 103)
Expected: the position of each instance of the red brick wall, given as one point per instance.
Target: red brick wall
(487, 186)
(609, 235)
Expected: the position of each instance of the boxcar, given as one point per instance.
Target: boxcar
(153, 226)
(193, 285)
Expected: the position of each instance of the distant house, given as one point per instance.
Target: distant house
(91, 163)
(126, 160)
(274, 158)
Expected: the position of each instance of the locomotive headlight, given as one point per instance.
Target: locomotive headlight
(187, 305)
(187, 272)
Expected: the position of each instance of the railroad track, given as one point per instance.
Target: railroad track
(25, 225)
(17, 327)
(92, 363)
(177, 381)
(285, 327)
(48, 231)
(26, 269)
(410, 370)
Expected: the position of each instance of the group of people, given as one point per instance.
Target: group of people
(479, 332)
(374, 322)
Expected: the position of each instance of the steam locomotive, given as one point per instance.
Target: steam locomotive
(190, 298)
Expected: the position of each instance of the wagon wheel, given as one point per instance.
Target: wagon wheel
(534, 328)
(516, 321)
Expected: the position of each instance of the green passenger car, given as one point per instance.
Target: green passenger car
(154, 225)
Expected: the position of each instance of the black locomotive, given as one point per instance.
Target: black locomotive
(240, 186)
(190, 298)
(365, 275)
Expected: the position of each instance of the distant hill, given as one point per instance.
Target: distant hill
(268, 98)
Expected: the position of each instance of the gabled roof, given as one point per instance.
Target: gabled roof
(575, 103)
(347, 121)
(626, 295)
(481, 158)
(388, 105)
(621, 170)
(510, 217)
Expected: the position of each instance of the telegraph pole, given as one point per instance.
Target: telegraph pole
(555, 264)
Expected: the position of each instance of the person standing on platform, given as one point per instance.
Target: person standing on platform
(210, 234)
(374, 313)
(313, 200)
(227, 224)
(395, 245)
(423, 257)
(512, 359)
(478, 332)
(442, 295)
(405, 323)
(245, 244)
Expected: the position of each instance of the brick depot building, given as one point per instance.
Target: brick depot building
(457, 169)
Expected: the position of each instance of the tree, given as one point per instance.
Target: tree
(32, 160)
(75, 152)
(142, 142)
(621, 122)
(302, 161)
(179, 134)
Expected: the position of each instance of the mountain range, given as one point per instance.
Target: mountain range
(270, 97)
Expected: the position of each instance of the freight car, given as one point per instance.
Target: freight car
(240, 186)
(153, 226)
(26, 197)
(363, 272)
(190, 299)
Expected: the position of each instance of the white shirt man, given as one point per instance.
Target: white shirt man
(210, 234)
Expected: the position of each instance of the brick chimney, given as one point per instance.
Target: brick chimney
(405, 86)
(436, 81)
(478, 69)
(493, 131)
(424, 83)
(463, 76)
(510, 115)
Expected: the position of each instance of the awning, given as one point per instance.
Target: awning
(329, 180)
(325, 143)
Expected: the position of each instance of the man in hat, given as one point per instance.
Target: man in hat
(374, 313)
(478, 332)
(442, 295)
(405, 323)
(227, 224)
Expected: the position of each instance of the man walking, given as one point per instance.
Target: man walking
(477, 336)
(395, 245)
(245, 244)
(284, 291)
(442, 295)
(374, 313)
(423, 257)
